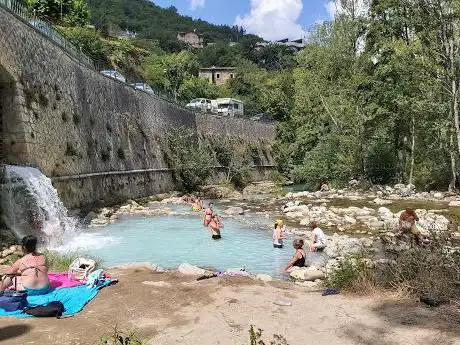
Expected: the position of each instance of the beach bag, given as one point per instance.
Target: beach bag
(52, 309)
(13, 300)
(95, 278)
(81, 268)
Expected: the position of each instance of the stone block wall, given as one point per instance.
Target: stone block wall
(70, 120)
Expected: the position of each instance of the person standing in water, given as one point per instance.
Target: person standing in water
(278, 234)
(215, 226)
(298, 260)
(208, 213)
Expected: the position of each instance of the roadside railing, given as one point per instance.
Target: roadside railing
(18, 8)
(46, 28)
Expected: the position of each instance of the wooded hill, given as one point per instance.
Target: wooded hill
(154, 22)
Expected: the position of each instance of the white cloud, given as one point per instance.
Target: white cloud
(273, 19)
(195, 4)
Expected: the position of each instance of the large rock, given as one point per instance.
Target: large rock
(265, 187)
(382, 202)
(307, 273)
(188, 269)
(454, 203)
(264, 277)
(142, 266)
(234, 211)
(221, 192)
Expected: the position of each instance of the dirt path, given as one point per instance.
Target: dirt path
(180, 310)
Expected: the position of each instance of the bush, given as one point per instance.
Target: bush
(189, 158)
(255, 338)
(353, 273)
(57, 262)
(432, 269)
(117, 337)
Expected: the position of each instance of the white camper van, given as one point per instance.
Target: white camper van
(229, 107)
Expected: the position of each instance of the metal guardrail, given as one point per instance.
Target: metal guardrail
(18, 9)
(46, 28)
(140, 171)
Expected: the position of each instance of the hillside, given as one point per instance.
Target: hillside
(153, 22)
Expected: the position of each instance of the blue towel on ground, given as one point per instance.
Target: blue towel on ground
(74, 299)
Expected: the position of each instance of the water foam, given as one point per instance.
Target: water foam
(31, 205)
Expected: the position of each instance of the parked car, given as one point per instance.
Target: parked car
(114, 74)
(263, 117)
(202, 104)
(144, 87)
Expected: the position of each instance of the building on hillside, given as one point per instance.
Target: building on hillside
(191, 38)
(126, 35)
(295, 45)
(218, 75)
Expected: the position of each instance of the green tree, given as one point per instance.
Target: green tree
(64, 12)
(169, 72)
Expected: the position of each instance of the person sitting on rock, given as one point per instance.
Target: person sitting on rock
(408, 224)
(278, 234)
(298, 260)
(31, 271)
(318, 241)
(324, 186)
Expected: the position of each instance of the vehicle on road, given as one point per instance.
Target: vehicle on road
(230, 107)
(201, 104)
(114, 74)
(144, 87)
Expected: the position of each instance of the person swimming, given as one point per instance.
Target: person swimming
(298, 260)
(208, 213)
(215, 226)
(278, 234)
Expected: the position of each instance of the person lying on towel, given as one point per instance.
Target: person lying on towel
(30, 272)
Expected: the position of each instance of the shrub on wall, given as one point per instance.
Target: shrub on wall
(190, 159)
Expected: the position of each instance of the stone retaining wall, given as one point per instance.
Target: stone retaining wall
(70, 120)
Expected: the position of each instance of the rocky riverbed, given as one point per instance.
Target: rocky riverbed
(353, 220)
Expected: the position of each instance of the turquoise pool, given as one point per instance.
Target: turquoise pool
(171, 240)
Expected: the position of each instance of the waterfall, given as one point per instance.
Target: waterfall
(31, 205)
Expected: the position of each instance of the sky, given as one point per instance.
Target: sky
(270, 19)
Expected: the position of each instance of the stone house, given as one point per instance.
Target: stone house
(192, 38)
(218, 75)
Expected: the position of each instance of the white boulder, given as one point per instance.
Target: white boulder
(188, 269)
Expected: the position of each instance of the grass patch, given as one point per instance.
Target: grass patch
(61, 262)
(255, 338)
(354, 273)
(118, 337)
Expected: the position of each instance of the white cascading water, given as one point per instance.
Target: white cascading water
(31, 205)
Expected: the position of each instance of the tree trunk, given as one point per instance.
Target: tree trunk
(412, 151)
(453, 183)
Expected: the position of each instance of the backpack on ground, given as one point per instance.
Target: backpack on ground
(52, 309)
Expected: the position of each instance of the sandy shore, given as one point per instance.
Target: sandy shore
(176, 309)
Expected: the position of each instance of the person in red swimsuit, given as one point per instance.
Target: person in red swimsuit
(208, 213)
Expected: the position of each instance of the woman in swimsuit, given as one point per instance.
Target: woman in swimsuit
(215, 226)
(31, 270)
(208, 214)
(278, 234)
(298, 260)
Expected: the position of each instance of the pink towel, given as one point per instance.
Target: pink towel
(60, 280)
